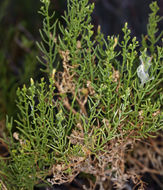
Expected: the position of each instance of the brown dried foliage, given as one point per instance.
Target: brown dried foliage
(122, 160)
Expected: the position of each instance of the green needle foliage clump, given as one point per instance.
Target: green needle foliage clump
(99, 96)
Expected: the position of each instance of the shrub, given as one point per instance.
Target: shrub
(100, 96)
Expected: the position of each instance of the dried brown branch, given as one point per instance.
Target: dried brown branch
(65, 99)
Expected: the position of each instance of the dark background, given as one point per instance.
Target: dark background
(110, 14)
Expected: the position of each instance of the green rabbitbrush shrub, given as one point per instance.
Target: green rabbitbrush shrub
(99, 97)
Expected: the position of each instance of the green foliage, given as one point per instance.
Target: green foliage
(152, 28)
(36, 131)
(48, 34)
(98, 93)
